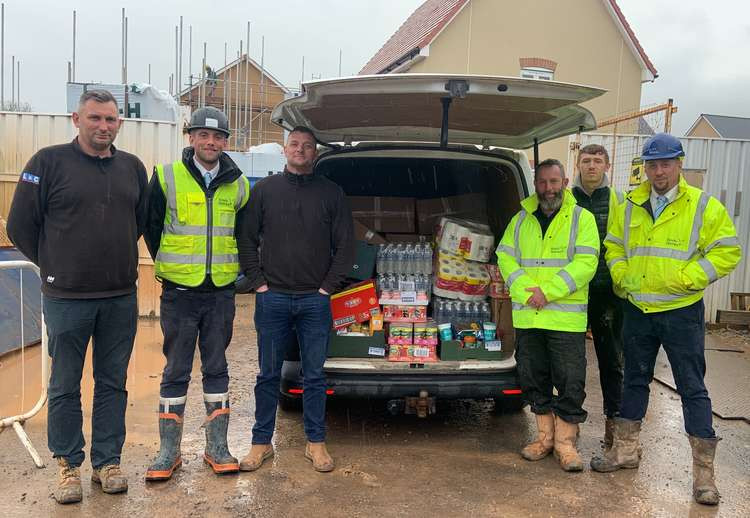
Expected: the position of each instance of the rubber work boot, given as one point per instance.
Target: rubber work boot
(566, 437)
(111, 478)
(537, 450)
(217, 423)
(255, 458)
(317, 453)
(624, 450)
(171, 411)
(68, 489)
(704, 487)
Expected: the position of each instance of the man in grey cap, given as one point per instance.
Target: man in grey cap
(194, 204)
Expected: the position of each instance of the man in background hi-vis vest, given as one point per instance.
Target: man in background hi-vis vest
(547, 256)
(193, 207)
(670, 241)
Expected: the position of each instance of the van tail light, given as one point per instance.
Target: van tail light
(512, 392)
(297, 391)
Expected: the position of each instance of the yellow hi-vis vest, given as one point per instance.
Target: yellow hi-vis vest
(561, 263)
(666, 264)
(198, 236)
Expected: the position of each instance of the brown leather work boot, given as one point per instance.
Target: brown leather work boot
(255, 458)
(544, 443)
(317, 453)
(68, 489)
(566, 435)
(110, 478)
(609, 429)
(624, 452)
(704, 486)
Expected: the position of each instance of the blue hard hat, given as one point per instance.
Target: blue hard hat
(662, 145)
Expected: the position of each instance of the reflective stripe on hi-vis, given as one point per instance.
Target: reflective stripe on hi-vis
(506, 249)
(655, 297)
(554, 306)
(568, 280)
(669, 253)
(574, 231)
(517, 233)
(614, 239)
(168, 257)
(709, 269)
(513, 276)
(558, 263)
(171, 193)
(587, 250)
(724, 241)
(620, 196)
(196, 230)
(240, 193)
(615, 261)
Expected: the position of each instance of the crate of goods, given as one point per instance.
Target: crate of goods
(357, 345)
(472, 341)
(356, 304)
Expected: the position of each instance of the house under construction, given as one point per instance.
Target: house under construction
(247, 94)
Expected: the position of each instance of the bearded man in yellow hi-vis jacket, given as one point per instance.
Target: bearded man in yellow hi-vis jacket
(547, 256)
(671, 241)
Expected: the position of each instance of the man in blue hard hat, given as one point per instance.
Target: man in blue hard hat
(669, 242)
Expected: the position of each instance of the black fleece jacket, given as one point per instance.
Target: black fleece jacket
(78, 217)
(297, 234)
(157, 208)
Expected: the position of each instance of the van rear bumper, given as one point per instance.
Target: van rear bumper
(392, 385)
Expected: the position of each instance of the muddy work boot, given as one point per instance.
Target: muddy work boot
(258, 454)
(624, 450)
(68, 489)
(566, 437)
(317, 453)
(544, 443)
(609, 430)
(111, 478)
(704, 487)
(168, 460)
(217, 423)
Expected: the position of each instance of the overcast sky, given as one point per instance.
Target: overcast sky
(699, 48)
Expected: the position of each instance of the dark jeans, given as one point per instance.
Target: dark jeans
(71, 323)
(548, 359)
(682, 334)
(605, 320)
(276, 315)
(189, 316)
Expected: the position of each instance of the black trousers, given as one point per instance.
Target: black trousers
(188, 317)
(548, 359)
(605, 320)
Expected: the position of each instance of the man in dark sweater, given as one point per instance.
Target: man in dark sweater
(77, 213)
(296, 247)
(592, 192)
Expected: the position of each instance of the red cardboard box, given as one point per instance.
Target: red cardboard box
(356, 304)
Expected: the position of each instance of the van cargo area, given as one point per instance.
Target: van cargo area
(400, 194)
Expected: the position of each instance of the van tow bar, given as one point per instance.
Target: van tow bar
(422, 405)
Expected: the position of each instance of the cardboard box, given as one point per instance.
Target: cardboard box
(356, 304)
(365, 256)
(502, 315)
(405, 238)
(466, 206)
(384, 213)
(362, 233)
(342, 346)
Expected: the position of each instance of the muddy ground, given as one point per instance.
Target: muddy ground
(462, 462)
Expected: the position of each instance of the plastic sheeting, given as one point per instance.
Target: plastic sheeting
(10, 304)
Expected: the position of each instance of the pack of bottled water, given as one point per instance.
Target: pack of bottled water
(460, 311)
(408, 258)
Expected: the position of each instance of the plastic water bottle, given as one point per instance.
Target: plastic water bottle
(380, 259)
(409, 258)
(426, 258)
(437, 311)
(388, 258)
(486, 312)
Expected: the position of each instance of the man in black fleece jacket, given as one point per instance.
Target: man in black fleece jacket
(296, 247)
(77, 213)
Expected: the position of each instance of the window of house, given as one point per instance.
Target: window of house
(537, 73)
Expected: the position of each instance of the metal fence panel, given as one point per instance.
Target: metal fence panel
(727, 166)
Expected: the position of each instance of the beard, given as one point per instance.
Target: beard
(551, 204)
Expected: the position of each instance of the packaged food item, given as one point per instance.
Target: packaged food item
(413, 353)
(426, 334)
(401, 313)
(356, 304)
(490, 330)
(446, 331)
(376, 322)
(401, 334)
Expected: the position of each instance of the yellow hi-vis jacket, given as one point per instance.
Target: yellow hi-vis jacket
(666, 264)
(198, 236)
(561, 263)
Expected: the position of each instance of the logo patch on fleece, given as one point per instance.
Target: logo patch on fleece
(30, 178)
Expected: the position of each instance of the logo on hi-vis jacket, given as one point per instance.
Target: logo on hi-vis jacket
(30, 178)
